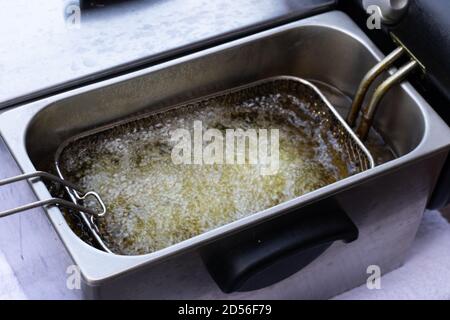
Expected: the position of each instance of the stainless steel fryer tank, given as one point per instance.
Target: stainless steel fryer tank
(385, 203)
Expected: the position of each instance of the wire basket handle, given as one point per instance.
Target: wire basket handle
(55, 201)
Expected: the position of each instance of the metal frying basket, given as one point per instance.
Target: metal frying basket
(319, 106)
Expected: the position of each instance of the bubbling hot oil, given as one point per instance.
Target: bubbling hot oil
(153, 203)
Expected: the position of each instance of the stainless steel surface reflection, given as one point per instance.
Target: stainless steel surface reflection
(62, 46)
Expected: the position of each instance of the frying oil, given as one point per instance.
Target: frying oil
(153, 203)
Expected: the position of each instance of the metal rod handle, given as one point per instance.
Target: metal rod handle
(382, 89)
(40, 174)
(54, 201)
(368, 79)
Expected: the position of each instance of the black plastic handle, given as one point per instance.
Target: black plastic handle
(274, 250)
